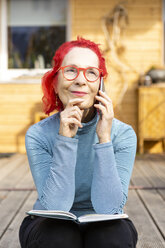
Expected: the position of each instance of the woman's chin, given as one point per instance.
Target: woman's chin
(86, 107)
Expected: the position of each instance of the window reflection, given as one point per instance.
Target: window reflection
(33, 47)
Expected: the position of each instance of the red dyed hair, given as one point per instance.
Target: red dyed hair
(49, 79)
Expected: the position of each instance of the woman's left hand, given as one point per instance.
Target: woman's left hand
(104, 125)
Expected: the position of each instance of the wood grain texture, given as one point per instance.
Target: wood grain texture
(10, 239)
(141, 42)
(140, 48)
(145, 207)
(18, 105)
(151, 121)
(143, 223)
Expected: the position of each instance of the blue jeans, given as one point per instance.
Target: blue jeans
(38, 232)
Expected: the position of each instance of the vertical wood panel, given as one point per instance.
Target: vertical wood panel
(142, 43)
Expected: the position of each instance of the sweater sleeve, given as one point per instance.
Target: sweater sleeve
(112, 173)
(53, 173)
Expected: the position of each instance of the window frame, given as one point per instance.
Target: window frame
(11, 75)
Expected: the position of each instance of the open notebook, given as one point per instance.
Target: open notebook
(69, 216)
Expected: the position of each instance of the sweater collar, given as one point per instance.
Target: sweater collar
(88, 125)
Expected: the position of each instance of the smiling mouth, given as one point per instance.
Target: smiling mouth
(76, 93)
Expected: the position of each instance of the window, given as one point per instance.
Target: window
(36, 28)
(30, 33)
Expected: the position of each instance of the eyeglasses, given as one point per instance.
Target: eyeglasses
(71, 72)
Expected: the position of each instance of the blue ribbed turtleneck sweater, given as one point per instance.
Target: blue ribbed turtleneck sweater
(78, 174)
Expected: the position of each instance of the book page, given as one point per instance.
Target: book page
(51, 213)
(101, 217)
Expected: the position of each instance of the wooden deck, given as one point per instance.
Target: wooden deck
(145, 205)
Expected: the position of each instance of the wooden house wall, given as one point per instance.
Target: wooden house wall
(142, 42)
(18, 104)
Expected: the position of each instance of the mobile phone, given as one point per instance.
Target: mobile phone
(102, 88)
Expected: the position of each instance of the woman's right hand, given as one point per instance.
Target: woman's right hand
(70, 118)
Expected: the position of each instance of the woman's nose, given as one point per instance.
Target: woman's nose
(80, 79)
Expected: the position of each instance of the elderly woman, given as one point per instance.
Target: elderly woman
(79, 162)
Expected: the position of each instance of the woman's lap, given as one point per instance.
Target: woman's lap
(116, 233)
(49, 233)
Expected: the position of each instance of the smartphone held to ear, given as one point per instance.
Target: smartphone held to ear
(102, 88)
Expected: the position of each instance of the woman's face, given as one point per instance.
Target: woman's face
(80, 57)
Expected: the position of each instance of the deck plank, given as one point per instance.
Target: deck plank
(155, 206)
(143, 223)
(162, 193)
(15, 175)
(9, 207)
(26, 182)
(11, 237)
(3, 195)
(159, 168)
(13, 164)
(145, 206)
(138, 178)
(12, 179)
(3, 162)
(149, 174)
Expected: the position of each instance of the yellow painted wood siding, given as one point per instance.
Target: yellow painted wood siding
(18, 104)
(143, 48)
(142, 40)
